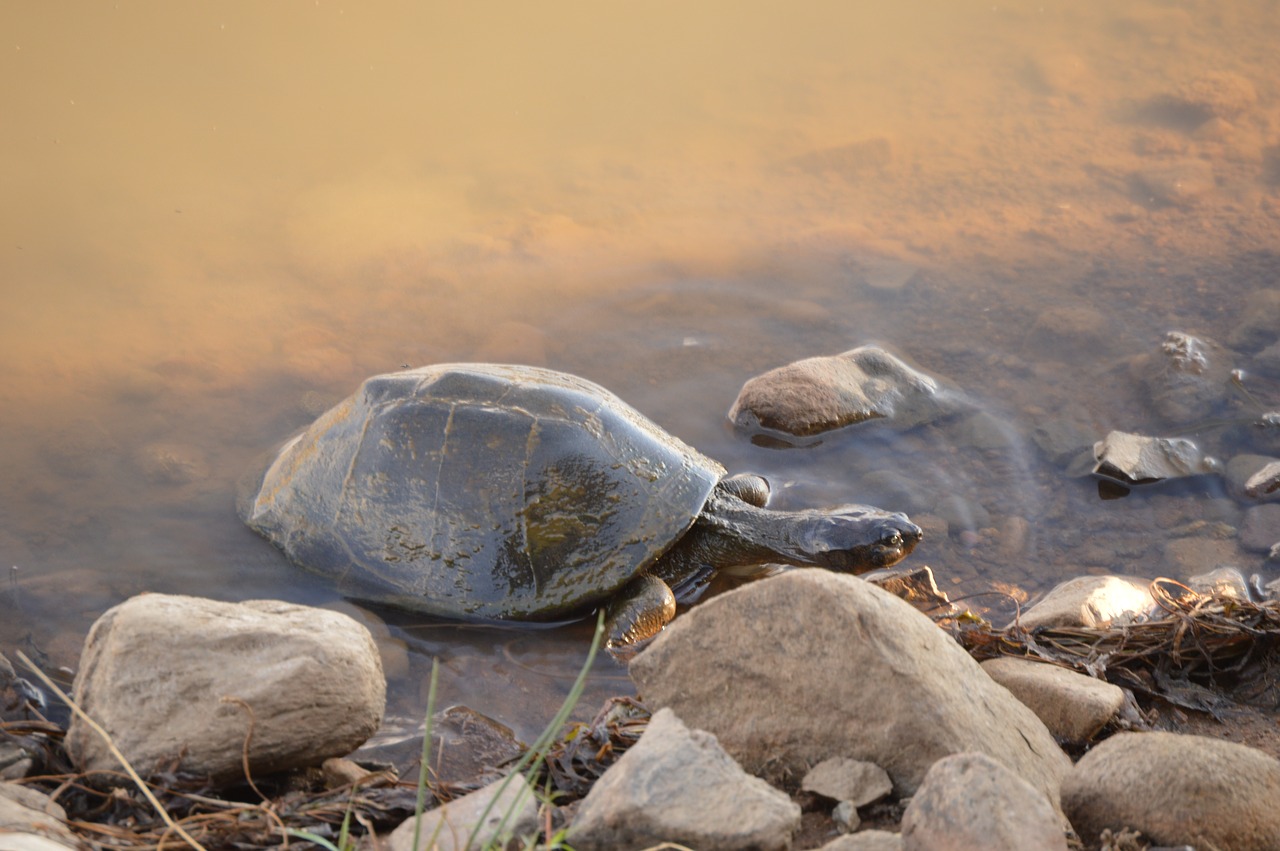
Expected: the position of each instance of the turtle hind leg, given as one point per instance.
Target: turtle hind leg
(639, 612)
(748, 487)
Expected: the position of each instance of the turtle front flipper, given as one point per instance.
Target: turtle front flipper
(636, 614)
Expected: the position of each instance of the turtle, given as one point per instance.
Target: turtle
(499, 492)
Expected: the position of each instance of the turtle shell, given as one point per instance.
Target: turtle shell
(481, 491)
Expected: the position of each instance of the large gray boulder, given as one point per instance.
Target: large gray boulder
(1177, 790)
(678, 785)
(808, 665)
(819, 394)
(971, 801)
(182, 681)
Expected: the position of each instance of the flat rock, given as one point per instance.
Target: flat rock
(679, 785)
(820, 394)
(851, 780)
(514, 812)
(971, 801)
(1073, 706)
(893, 689)
(1177, 790)
(1137, 459)
(1092, 601)
(30, 819)
(169, 678)
(865, 840)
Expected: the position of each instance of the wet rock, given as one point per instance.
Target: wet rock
(514, 812)
(1257, 322)
(1135, 459)
(983, 430)
(915, 584)
(1180, 183)
(1015, 532)
(969, 800)
(172, 464)
(852, 780)
(892, 689)
(1062, 440)
(1241, 469)
(1092, 601)
(1177, 790)
(1261, 527)
(1265, 482)
(866, 840)
(1073, 706)
(1187, 555)
(29, 816)
(170, 677)
(679, 785)
(1268, 360)
(467, 746)
(819, 394)
(1222, 582)
(393, 652)
(1187, 379)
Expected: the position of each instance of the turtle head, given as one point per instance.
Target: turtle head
(858, 538)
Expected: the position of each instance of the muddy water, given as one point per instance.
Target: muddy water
(218, 220)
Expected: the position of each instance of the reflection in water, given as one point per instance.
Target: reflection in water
(220, 219)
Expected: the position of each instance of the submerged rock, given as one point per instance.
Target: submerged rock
(1135, 459)
(971, 801)
(1261, 527)
(1177, 790)
(1187, 379)
(678, 785)
(816, 395)
(865, 676)
(1073, 706)
(181, 681)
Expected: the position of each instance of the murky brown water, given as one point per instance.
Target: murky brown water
(218, 220)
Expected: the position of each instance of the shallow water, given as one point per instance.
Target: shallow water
(219, 220)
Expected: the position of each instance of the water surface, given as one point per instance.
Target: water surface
(220, 219)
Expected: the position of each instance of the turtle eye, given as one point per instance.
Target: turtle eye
(894, 539)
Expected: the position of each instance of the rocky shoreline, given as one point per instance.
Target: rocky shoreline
(804, 699)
